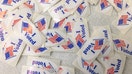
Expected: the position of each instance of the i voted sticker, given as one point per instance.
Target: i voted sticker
(41, 22)
(119, 4)
(68, 45)
(29, 33)
(90, 68)
(42, 63)
(124, 21)
(54, 37)
(92, 48)
(63, 9)
(12, 49)
(104, 7)
(80, 33)
(33, 70)
(65, 70)
(114, 64)
(83, 10)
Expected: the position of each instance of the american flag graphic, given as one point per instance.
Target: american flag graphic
(41, 49)
(44, 1)
(123, 20)
(84, 63)
(26, 27)
(55, 38)
(110, 70)
(104, 4)
(41, 24)
(98, 44)
(59, 24)
(9, 52)
(16, 21)
(68, 27)
(80, 41)
(2, 13)
(68, 45)
(119, 43)
(7, 2)
(28, 4)
(81, 8)
(118, 3)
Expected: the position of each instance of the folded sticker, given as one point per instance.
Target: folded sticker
(64, 9)
(12, 49)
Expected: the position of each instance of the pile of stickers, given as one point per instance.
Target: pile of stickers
(39, 27)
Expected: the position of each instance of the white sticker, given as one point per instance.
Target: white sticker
(46, 64)
(80, 32)
(68, 45)
(54, 37)
(123, 45)
(83, 10)
(29, 33)
(42, 51)
(64, 9)
(92, 48)
(41, 22)
(124, 21)
(104, 7)
(65, 70)
(12, 49)
(113, 64)
(88, 68)
(33, 70)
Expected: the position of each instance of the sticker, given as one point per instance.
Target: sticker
(46, 4)
(54, 37)
(122, 44)
(124, 21)
(12, 49)
(80, 32)
(92, 48)
(29, 33)
(65, 70)
(68, 45)
(33, 70)
(104, 7)
(119, 4)
(49, 65)
(92, 68)
(114, 64)
(83, 10)
(41, 22)
(93, 2)
(42, 51)
(64, 9)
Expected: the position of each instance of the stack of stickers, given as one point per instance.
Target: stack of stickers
(38, 27)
